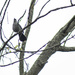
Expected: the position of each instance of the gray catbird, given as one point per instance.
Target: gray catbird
(17, 28)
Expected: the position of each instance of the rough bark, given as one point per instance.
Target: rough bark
(52, 47)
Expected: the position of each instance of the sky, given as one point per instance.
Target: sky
(41, 32)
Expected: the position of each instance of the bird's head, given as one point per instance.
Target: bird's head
(15, 20)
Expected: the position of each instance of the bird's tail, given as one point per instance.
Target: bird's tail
(22, 37)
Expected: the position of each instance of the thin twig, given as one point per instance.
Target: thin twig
(22, 16)
(5, 11)
(43, 7)
(71, 2)
(3, 7)
(6, 39)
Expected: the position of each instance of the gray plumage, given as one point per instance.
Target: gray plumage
(17, 28)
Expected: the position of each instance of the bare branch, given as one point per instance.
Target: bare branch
(5, 11)
(58, 45)
(55, 10)
(66, 49)
(22, 16)
(30, 17)
(71, 2)
(43, 7)
(3, 7)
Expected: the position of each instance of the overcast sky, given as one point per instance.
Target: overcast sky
(60, 63)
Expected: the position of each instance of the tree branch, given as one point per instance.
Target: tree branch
(65, 49)
(43, 7)
(5, 11)
(30, 16)
(71, 2)
(44, 56)
(3, 7)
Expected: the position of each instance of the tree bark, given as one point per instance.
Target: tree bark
(30, 16)
(52, 47)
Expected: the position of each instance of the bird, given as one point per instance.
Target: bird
(16, 28)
